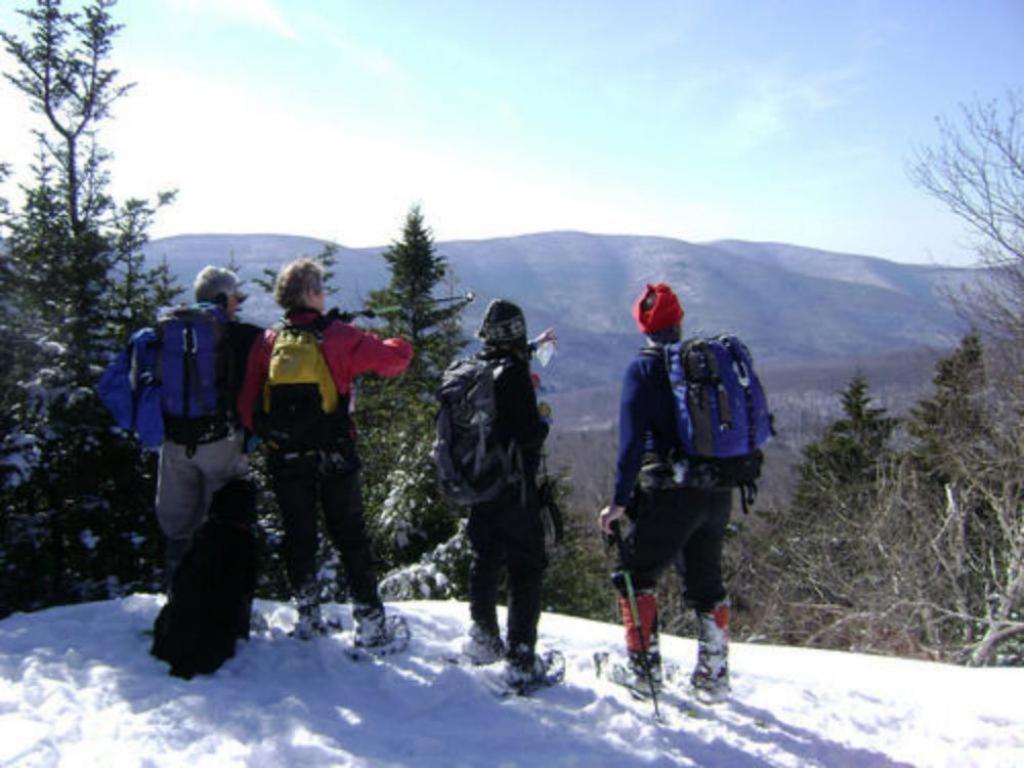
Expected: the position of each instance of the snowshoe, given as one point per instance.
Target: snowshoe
(524, 676)
(309, 627)
(389, 636)
(708, 688)
(627, 674)
(311, 622)
(622, 672)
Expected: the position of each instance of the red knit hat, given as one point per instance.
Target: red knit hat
(657, 309)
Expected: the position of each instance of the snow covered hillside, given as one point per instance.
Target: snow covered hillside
(78, 687)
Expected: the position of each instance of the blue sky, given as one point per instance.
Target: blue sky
(782, 121)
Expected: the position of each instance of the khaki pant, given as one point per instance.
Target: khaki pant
(185, 486)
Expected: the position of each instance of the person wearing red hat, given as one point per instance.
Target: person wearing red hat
(666, 516)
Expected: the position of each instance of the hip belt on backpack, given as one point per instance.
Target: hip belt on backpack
(201, 430)
(658, 474)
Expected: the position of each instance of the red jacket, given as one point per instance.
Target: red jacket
(349, 351)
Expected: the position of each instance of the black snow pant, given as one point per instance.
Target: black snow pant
(681, 525)
(301, 481)
(507, 532)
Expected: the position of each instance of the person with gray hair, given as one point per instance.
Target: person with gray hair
(203, 348)
(296, 397)
(217, 285)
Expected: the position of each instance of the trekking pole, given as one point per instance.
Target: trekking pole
(634, 611)
(349, 315)
(467, 297)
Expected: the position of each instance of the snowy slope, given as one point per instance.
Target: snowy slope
(78, 687)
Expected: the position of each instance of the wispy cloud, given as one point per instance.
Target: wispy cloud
(210, 161)
(770, 103)
(259, 13)
(370, 60)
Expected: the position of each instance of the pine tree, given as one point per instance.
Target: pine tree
(820, 565)
(413, 311)
(77, 515)
(840, 470)
(396, 417)
(953, 415)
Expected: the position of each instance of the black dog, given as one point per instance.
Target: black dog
(211, 599)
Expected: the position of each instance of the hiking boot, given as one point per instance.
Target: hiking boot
(371, 627)
(523, 668)
(646, 673)
(711, 675)
(483, 646)
(642, 642)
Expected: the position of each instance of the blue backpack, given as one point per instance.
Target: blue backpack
(722, 417)
(130, 388)
(195, 371)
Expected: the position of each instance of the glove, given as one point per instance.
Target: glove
(545, 413)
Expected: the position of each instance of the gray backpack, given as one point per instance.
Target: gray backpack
(473, 465)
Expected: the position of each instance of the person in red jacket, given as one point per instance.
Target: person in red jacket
(295, 396)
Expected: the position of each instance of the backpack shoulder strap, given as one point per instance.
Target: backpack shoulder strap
(317, 327)
(663, 352)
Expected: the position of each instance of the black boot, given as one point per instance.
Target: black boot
(524, 669)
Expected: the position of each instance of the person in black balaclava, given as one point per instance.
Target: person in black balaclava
(508, 530)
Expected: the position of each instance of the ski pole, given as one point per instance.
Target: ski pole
(634, 611)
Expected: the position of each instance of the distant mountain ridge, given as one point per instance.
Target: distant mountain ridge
(789, 303)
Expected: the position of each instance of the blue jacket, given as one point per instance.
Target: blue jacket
(647, 420)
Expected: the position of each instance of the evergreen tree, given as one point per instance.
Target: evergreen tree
(406, 508)
(576, 580)
(76, 501)
(954, 415)
(413, 311)
(820, 565)
(839, 471)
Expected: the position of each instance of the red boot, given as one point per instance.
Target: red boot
(642, 642)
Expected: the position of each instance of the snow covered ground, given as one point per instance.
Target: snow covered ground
(78, 687)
